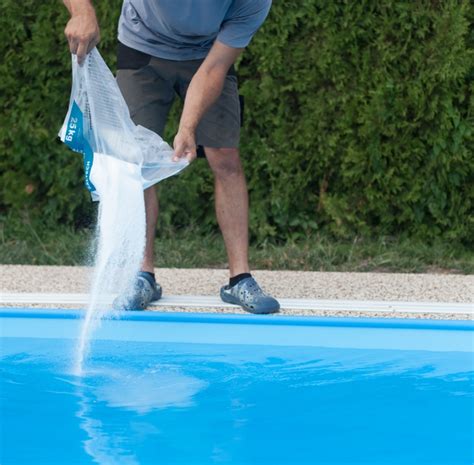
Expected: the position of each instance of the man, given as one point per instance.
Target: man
(187, 48)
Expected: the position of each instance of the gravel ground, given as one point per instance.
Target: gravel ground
(283, 284)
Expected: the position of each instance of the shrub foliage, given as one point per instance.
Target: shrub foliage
(358, 120)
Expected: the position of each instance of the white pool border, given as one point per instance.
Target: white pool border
(200, 301)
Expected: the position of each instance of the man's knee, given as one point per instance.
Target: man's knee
(225, 162)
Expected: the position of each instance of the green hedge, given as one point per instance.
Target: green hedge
(358, 120)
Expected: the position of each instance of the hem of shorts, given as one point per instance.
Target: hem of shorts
(218, 145)
(153, 52)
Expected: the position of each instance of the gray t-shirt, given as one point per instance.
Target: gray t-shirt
(186, 29)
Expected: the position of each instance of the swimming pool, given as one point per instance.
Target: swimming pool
(163, 388)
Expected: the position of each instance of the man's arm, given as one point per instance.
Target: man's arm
(82, 30)
(204, 89)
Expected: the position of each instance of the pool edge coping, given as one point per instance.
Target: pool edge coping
(225, 318)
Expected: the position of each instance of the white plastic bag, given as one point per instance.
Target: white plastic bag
(98, 125)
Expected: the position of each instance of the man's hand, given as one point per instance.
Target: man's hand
(82, 30)
(184, 145)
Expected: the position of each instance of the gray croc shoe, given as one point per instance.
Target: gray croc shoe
(248, 294)
(145, 291)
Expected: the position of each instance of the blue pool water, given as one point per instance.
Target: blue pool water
(201, 389)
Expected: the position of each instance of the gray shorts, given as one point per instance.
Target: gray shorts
(150, 85)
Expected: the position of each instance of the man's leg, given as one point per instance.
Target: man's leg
(151, 211)
(231, 205)
(232, 215)
(148, 88)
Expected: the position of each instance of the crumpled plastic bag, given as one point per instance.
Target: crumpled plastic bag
(99, 126)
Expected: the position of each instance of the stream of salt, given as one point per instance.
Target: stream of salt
(120, 242)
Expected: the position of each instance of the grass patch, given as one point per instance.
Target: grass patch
(27, 243)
